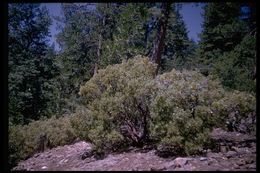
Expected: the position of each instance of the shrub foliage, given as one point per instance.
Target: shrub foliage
(24, 141)
(129, 105)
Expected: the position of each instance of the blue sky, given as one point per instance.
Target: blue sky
(192, 16)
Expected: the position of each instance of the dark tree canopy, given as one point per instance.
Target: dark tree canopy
(30, 70)
(226, 30)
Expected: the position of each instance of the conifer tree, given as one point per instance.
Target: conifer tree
(177, 49)
(29, 68)
(226, 29)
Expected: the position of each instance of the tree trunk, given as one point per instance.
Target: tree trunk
(146, 115)
(146, 35)
(160, 37)
(99, 46)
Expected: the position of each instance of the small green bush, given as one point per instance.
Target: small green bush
(180, 110)
(81, 121)
(24, 140)
(129, 105)
(235, 106)
(118, 100)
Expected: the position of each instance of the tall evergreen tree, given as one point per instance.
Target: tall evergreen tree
(29, 68)
(177, 52)
(107, 17)
(128, 36)
(222, 30)
(225, 32)
(78, 47)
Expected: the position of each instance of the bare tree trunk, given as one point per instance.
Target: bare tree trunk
(98, 53)
(99, 46)
(146, 36)
(159, 41)
(146, 115)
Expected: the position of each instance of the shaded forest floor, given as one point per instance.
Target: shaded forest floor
(237, 152)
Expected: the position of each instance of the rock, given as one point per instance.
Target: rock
(241, 162)
(252, 166)
(204, 151)
(223, 136)
(180, 162)
(214, 155)
(249, 160)
(210, 162)
(242, 127)
(157, 169)
(223, 149)
(233, 148)
(230, 154)
(203, 158)
(63, 161)
(236, 166)
(244, 150)
(86, 154)
(44, 167)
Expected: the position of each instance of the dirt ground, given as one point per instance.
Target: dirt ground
(68, 158)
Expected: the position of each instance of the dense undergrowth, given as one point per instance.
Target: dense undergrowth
(126, 104)
(24, 141)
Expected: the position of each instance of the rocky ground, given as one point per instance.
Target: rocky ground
(236, 151)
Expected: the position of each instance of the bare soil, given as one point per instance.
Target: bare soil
(237, 155)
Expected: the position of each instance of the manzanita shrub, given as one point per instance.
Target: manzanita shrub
(118, 99)
(129, 105)
(24, 140)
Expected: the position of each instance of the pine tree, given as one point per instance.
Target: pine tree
(227, 48)
(177, 50)
(78, 49)
(222, 30)
(128, 34)
(30, 69)
(106, 15)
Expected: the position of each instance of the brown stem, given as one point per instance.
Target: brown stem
(159, 41)
(99, 46)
